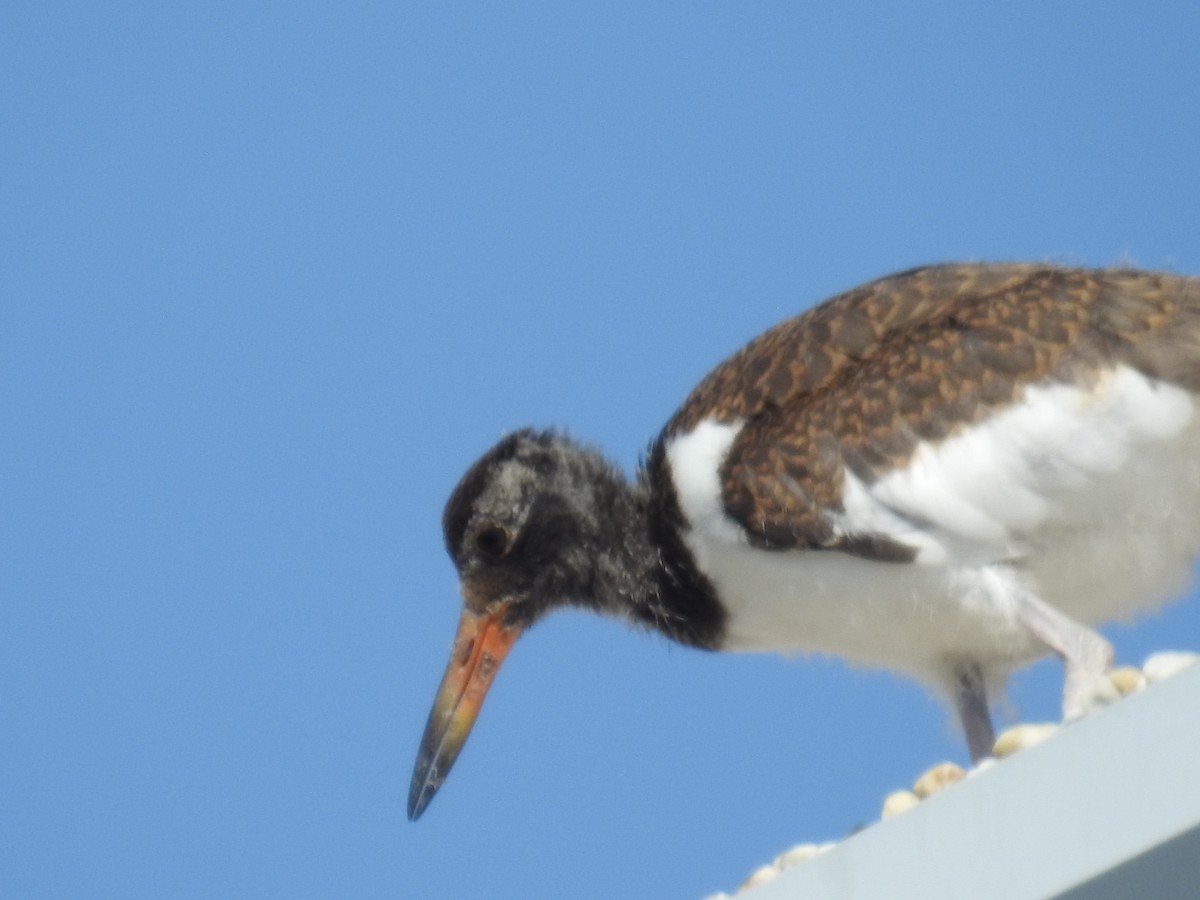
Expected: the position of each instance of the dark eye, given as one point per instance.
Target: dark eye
(493, 541)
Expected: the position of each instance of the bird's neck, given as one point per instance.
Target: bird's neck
(648, 574)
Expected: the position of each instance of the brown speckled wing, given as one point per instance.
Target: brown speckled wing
(857, 382)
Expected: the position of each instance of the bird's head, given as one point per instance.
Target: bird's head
(530, 527)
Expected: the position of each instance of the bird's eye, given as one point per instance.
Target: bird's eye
(493, 541)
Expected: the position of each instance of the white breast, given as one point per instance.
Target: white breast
(1088, 497)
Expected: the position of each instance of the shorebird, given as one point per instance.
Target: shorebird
(949, 472)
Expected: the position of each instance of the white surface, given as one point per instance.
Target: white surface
(1107, 808)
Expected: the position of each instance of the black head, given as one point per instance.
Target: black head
(534, 524)
(538, 522)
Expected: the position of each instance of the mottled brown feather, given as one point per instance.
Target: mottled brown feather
(858, 381)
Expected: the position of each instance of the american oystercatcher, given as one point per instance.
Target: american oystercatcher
(949, 472)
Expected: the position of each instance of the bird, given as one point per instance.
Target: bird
(948, 472)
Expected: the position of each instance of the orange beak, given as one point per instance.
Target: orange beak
(480, 646)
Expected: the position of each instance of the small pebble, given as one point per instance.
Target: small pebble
(1160, 666)
(938, 779)
(1021, 737)
(801, 853)
(761, 875)
(897, 802)
(1127, 680)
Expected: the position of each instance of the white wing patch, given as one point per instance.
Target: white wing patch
(980, 494)
(695, 460)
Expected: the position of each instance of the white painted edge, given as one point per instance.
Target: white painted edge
(1108, 802)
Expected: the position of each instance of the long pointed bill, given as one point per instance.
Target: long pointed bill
(480, 646)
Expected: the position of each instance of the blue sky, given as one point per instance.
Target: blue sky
(271, 278)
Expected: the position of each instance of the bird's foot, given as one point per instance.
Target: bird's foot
(1087, 657)
(1088, 685)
